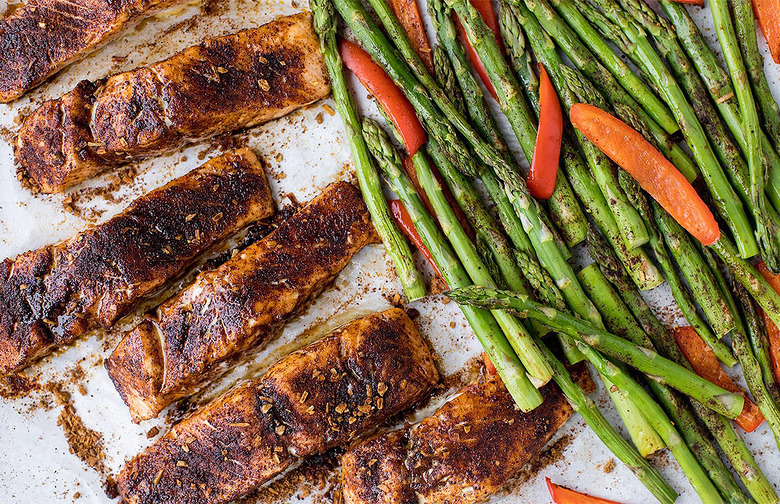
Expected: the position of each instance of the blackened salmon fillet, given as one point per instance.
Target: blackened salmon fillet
(315, 399)
(465, 452)
(221, 85)
(44, 36)
(52, 295)
(230, 311)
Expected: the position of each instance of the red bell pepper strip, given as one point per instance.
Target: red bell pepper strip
(408, 13)
(698, 3)
(706, 365)
(768, 15)
(390, 97)
(485, 9)
(562, 495)
(405, 224)
(547, 150)
(772, 331)
(629, 149)
(489, 367)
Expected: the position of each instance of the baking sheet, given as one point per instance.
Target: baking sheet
(303, 153)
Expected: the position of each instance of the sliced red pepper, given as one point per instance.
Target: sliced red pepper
(489, 366)
(706, 365)
(485, 9)
(547, 150)
(408, 13)
(389, 96)
(698, 3)
(768, 15)
(562, 495)
(772, 331)
(405, 224)
(629, 149)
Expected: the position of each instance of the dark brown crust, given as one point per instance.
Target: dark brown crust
(236, 308)
(44, 36)
(219, 86)
(255, 431)
(50, 296)
(464, 453)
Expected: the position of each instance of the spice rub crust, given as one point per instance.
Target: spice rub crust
(52, 295)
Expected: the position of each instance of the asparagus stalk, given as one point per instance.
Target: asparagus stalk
(584, 405)
(732, 445)
(645, 438)
(751, 369)
(719, 85)
(508, 91)
(759, 342)
(713, 300)
(728, 153)
(479, 112)
(604, 171)
(445, 75)
(563, 204)
(660, 422)
(728, 203)
(641, 268)
(368, 178)
(745, 24)
(587, 63)
(727, 36)
(644, 359)
(490, 335)
(630, 81)
(620, 320)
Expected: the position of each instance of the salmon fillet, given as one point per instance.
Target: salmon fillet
(44, 36)
(52, 295)
(221, 85)
(320, 397)
(227, 312)
(467, 451)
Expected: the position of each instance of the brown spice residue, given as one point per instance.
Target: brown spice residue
(609, 466)
(551, 455)
(81, 202)
(83, 442)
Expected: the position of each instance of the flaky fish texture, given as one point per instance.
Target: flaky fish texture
(317, 398)
(222, 85)
(52, 295)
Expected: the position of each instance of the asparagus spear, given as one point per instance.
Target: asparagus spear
(694, 266)
(368, 178)
(745, 24)
(508, 92)
(660, 422)
(645, 438)
(584, 405)
(588, 64)
(732, 445)
(728, 204)
(620, 320)
(641, 268)
(563, 204)
(630, 81)
(644, 359)
(727, 36)
(445, 75)
(728, 153)
(479, 112)
(751, 369)
(493, 340)
(604, 171)
(719, 85)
